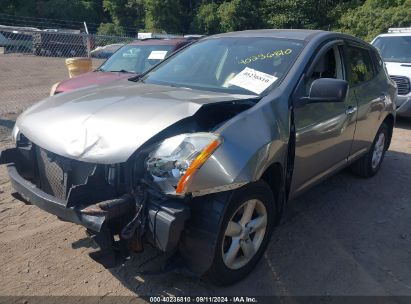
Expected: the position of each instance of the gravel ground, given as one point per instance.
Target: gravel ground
(347, 236)
(26, 79)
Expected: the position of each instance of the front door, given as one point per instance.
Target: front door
(324, 131)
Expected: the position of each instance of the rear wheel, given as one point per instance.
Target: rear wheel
(247, 225)
(369, 164)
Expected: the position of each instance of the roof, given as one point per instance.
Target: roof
(154, 41)
(274, 33)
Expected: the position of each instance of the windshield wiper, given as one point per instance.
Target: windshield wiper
(122, 71)
(135, 78)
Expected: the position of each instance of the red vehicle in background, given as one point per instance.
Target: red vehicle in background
(130, 60)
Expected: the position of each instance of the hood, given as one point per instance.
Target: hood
(399, 69)
(107, 124)
(90, 78)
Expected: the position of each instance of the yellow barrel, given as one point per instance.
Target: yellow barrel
(78, 65)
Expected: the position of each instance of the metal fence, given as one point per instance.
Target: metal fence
(32, 60)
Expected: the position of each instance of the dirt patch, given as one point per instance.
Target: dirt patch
(26, 79)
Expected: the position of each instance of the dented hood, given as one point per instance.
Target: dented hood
(107, 124)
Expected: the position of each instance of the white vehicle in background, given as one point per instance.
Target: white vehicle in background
(395, 48)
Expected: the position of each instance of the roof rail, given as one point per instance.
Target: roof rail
(399, 30)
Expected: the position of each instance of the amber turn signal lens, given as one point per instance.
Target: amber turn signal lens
(195, 165)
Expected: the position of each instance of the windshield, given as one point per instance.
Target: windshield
(136, 58)
(232, 65)
(394, 48)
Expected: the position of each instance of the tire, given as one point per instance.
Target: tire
(225, 270)
(368, 165)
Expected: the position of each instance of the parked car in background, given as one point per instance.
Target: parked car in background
(153, 35)
(104, 52)
(130, 60)
(200, 155)
(60, 43)
(395, 48)
(15, 41)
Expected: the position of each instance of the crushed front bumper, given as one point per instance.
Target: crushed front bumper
(165, 219)
(52, 204)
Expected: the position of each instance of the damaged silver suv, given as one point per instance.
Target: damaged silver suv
(199, 155)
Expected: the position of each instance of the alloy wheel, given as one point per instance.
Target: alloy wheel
(244, 234)
(378, 151)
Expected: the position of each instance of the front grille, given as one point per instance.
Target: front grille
(52, 178)
(403, 84)
(57, 175)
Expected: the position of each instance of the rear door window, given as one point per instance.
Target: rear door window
(360, 65)
(378, 62)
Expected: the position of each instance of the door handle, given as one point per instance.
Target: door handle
(350, 110)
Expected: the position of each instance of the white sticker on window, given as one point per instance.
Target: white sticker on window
(157, 55)
(253, 80)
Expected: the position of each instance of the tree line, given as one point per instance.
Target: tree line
(362, 18)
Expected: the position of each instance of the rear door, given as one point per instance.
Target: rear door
(368, 82)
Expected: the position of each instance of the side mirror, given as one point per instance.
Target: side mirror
(327, 90)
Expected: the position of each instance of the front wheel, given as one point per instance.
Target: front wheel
(245, 231)
(369, 164)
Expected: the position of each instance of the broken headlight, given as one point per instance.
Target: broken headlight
(173, 162)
